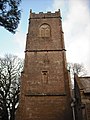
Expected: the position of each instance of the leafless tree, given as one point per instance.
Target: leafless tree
(77, 68)
(10, 71)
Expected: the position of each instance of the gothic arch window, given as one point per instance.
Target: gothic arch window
(44, 30)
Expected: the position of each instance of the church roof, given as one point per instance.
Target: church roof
(85, 84)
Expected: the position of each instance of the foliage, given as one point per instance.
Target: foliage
(10, 14)
(10, 71)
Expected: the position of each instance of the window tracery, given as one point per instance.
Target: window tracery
(44, 30)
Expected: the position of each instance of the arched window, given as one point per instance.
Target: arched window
(44, 30)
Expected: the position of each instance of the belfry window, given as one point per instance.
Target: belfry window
(44, 30)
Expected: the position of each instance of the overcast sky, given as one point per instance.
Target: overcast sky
(75, 22)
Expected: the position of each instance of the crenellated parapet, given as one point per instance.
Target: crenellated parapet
(49, 14)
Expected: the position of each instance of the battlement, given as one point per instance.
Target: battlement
(39, 15)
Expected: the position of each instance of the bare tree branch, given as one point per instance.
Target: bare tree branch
(10, 71)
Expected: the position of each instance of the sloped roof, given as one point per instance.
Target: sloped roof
(85, 84)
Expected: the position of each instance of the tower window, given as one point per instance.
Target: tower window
(44, 76)
(44, 30)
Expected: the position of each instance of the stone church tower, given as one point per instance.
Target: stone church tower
(45, 92)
